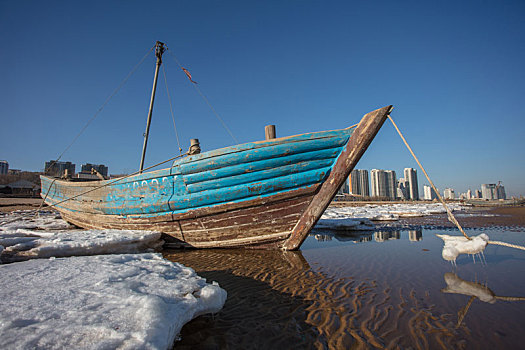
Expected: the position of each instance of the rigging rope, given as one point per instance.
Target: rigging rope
(203, 96)
(171, 109)
(116, 180)
(103, 105)
(91, 190)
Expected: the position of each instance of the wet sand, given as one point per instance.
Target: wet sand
(335, 294)
(12, 204)
(276, 300)
(475, 217)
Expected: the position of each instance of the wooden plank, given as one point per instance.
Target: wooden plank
(356, 147)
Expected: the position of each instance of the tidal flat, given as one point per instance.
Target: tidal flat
(386, 288)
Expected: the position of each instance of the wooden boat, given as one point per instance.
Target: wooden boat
(267, 194)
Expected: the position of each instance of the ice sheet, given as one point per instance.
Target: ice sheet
(126, 301)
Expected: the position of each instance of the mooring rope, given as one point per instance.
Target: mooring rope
(510, 245)
(449, 212)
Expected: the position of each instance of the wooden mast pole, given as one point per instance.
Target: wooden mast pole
(159, 50)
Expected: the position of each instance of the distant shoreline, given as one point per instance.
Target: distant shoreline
(481, 216)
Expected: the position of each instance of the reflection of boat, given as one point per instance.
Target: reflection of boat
(248, 261)
(457, 285)
(266, 194)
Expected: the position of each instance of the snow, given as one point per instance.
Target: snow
(388, 211)
(101, 302)
(455, 245)
(358, 218)
(49, 236)
(355, 224)
(90, 300)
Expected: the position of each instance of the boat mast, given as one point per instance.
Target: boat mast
(159, 50)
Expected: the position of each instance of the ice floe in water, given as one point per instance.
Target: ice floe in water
(101, 302)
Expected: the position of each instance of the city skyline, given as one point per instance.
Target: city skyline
(304, 67)
(381, 182)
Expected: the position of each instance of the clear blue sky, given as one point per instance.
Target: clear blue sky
(454, 70)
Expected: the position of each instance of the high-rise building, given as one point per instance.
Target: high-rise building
(4, 167)
(384, 183)
(391, 184)
(344, 188)
(448, 193)
(402, 189)
(411, 179)
(100, 168)
(500, 191)
(489, 191)
(359, 183)
(428, 193)
(54, 168)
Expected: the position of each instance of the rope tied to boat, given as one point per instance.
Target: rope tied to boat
(37, 211)
(452, 255)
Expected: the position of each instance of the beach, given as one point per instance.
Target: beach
(367, 276)
(481, 216)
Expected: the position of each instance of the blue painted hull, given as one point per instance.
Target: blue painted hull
(247, 195)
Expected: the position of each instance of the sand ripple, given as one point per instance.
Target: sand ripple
(277, 300)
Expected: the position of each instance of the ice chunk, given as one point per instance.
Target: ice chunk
(23, 244)
(133, 301)
(352, 224)
(455, 245)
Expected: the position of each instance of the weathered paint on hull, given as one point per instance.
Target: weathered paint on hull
(251, 195)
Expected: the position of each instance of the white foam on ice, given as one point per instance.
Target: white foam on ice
(101, 302)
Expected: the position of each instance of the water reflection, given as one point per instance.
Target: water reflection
(457, 285)
(325, 235)
(279, 300)
(415, 235)
(382, 236)
(335, 294)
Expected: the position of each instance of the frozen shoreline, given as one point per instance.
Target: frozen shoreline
(100, 296)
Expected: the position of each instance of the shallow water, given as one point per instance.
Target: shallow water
(383, 289)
